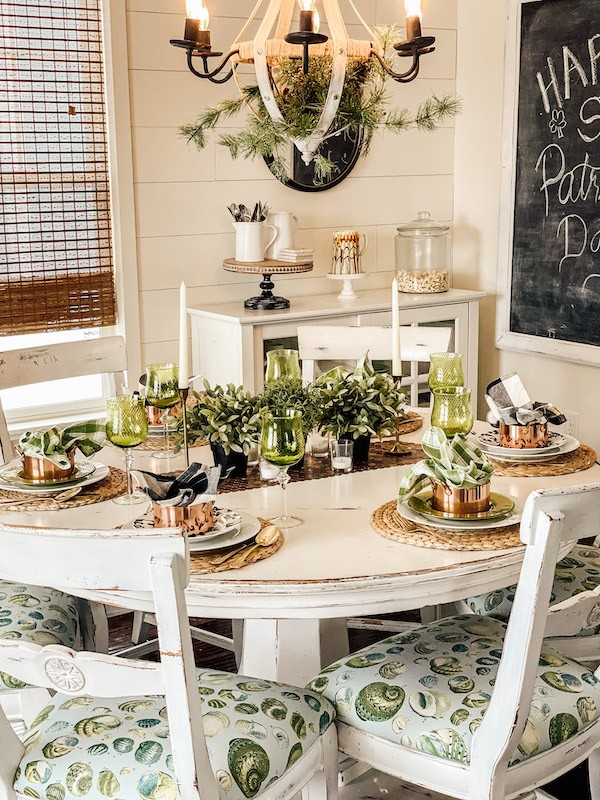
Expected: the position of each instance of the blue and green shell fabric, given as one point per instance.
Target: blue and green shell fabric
(116, 748)
(36, 614)
(578, 572)
(428, 690)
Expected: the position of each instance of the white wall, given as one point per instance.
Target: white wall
(183, 226)
(481, 37)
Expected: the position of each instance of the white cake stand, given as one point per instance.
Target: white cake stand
(347, 292)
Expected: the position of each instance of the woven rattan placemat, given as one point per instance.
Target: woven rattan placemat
(388, 522)
(250, 553)
(113, 485)
(411, 424)
(321, 467)
(577, 461)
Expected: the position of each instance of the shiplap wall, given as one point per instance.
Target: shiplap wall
(183, 226)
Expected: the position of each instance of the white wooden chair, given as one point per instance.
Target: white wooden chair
(336, 343)
(126, 728)
(475, 709)
(31, 365)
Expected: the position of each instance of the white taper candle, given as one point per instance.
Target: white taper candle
(396, 357)
(184, 370)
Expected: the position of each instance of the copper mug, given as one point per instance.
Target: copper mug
(195, 520)
(460, 502)
(524, 437)
(42, 470)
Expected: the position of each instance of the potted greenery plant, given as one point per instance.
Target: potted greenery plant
(289, 393)
(356, 405)
(230, 419)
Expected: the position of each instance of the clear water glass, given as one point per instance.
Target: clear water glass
(342, 454)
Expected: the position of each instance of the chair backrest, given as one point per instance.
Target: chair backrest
(126, 561)
(337, 343)
(53, 362)
(551, 518)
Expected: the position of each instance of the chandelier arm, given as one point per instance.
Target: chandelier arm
(206, 74)
(400, 77)
(286, 14)
(362, 21)
(249, 21)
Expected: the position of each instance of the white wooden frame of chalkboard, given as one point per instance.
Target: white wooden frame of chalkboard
(507, 339)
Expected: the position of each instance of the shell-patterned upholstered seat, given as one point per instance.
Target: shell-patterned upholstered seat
(255, 731)
(36, 614)
(575, 573)
(428, 690)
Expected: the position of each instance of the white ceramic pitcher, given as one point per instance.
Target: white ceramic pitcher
(286, 224)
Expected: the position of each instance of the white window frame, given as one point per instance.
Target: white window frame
(122, 208)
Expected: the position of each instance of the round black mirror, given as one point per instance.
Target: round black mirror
(342, 149)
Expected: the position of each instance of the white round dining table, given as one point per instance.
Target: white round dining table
(334, 566)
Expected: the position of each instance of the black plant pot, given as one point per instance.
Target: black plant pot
(361, 446)
(298, 464)
(236, 462)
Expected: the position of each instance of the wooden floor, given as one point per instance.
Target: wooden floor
(372, 786)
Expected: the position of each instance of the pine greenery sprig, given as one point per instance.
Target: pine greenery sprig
(364, 107)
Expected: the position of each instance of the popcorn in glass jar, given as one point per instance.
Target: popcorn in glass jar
(422, 256)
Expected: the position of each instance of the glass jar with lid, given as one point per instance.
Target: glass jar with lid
(422, 256)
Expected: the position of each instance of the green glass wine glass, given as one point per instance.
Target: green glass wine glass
(282, 364)
(452, 410)
(127, 427)
(162, 391)
(445, 369)
(282, 444)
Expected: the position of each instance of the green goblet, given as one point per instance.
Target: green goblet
(127, 427)
(452, 410)
(445, 369)
(282, 364)
(282, 444)
(162, 391)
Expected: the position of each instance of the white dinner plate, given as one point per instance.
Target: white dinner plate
(100, 472)
(248, 528)
(488, 443)
(535, 456)
(413, 516)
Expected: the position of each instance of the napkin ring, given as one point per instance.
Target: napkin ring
(459, 502)
(38, 469)
(195, 520)
(524, 437)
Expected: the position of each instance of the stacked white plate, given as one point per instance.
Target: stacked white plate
(558, 445)
(86, 473)
(230, 528)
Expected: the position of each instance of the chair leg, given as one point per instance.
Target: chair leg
(594, 771)
(324, 784)
(140, 632)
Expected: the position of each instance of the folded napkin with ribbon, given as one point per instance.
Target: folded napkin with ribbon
(456, 462)
(56, 445)
(509, 402)
(197, 484)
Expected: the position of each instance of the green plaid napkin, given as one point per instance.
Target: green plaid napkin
(457, 463)
(55, 445)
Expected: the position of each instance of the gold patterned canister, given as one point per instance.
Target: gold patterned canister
(524, 437)
(42, 470)
(196, 520)
(459, 502)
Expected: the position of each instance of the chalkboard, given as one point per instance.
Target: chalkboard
(552, 179)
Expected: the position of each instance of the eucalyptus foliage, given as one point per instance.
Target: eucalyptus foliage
(365, 105)
(361, 403)
(230, 417)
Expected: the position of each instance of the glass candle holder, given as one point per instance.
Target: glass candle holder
(445, 369)
(452, 410)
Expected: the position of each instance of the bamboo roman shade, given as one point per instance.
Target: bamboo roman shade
(56, 267)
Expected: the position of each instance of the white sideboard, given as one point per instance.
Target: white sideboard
(229, 342)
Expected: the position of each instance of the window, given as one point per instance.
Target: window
(56, 270)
